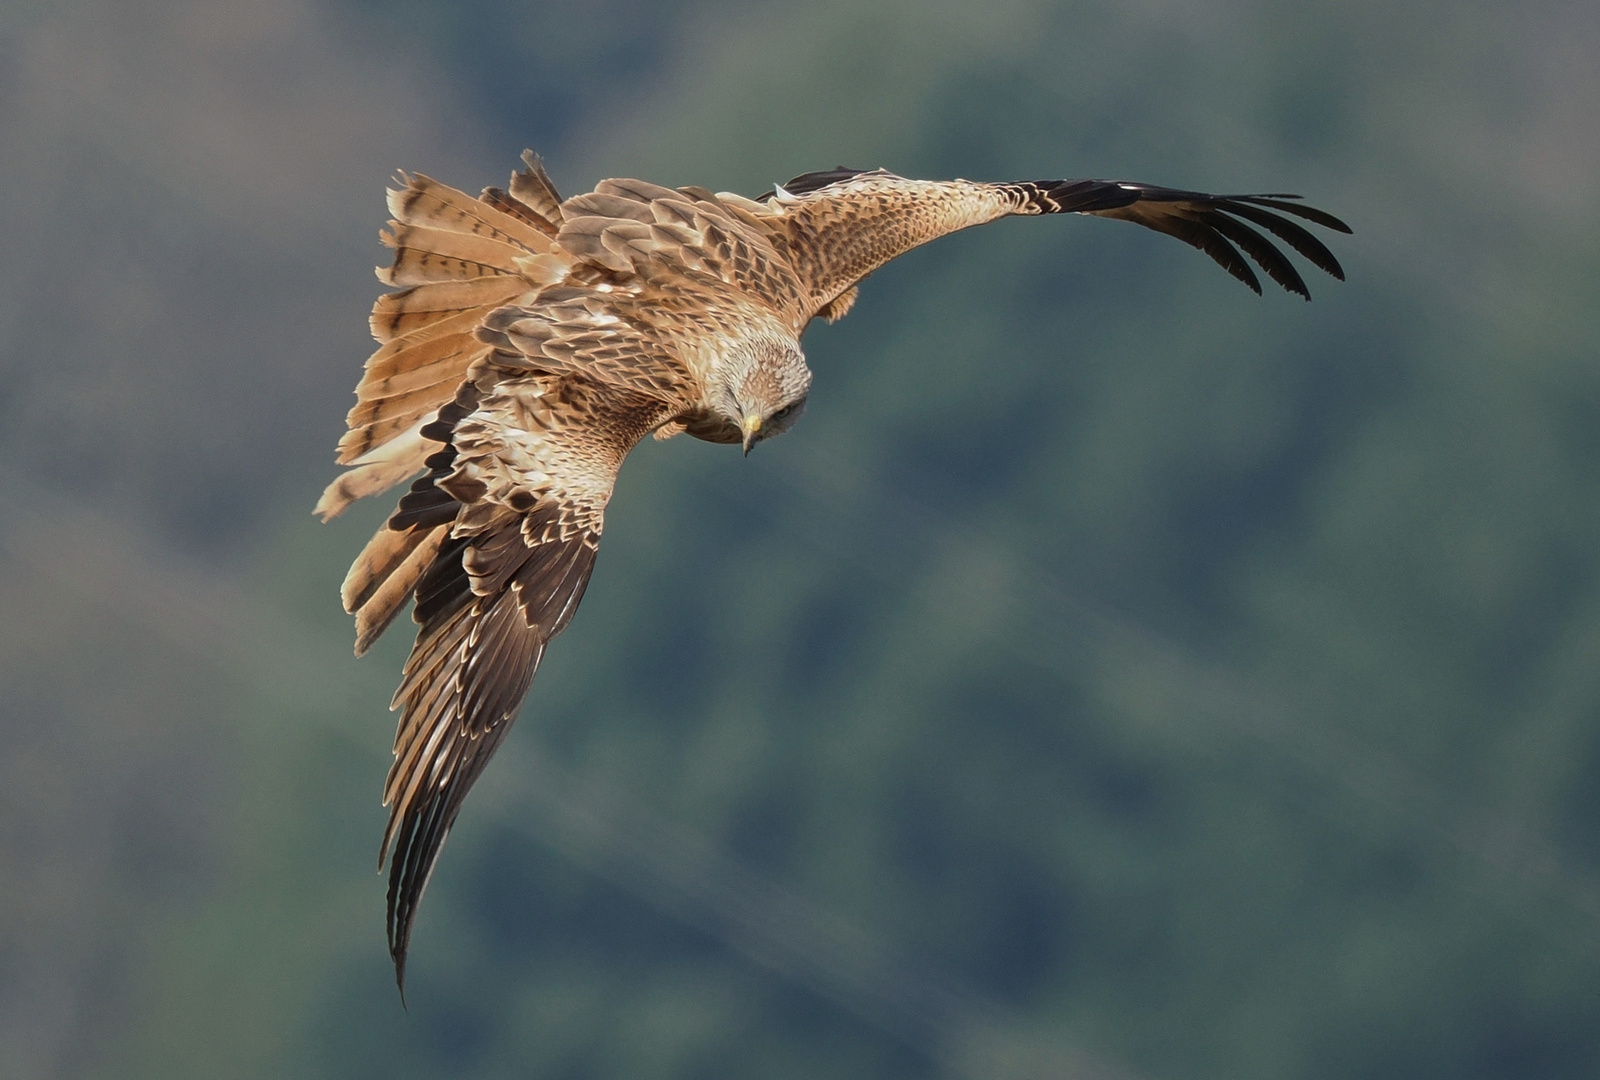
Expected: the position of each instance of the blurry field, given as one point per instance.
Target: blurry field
(1114, 675)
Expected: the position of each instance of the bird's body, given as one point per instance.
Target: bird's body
(533, 342)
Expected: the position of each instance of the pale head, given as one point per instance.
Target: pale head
(764, 388)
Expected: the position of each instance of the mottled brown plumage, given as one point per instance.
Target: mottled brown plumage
(530, 345)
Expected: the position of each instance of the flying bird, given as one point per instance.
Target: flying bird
(532, 341)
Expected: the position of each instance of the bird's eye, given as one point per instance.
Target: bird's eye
(781, 413)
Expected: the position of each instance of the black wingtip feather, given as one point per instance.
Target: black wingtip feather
(1310, 213)
(1259, 248)
(1314, 250)
(1207, 222)
(1203, 235)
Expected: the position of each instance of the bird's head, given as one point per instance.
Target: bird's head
(766, 389)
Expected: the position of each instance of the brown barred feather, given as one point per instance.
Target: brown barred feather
(398, 355)
(387, 549)
(385, 597)
(398, 313)
(426, 202)
(375, 471)
(424, 254)
(371, 438)
(532, 188)
(507, 203)
(404, 400)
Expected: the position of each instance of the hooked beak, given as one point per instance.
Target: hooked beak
(751, 425)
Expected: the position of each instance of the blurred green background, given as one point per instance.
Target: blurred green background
(1114, 675)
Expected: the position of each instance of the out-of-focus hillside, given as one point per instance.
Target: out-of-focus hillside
(1114, 675)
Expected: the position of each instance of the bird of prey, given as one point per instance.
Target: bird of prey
(531, 342)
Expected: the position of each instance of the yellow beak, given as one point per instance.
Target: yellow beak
(751, 425)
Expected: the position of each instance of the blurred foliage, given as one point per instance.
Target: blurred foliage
(1114, 675)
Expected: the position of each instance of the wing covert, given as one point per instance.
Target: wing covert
(634, 228)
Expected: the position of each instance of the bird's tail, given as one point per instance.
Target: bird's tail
(404, 548)
(456, 258)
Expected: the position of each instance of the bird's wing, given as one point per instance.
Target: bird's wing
(663, 235)
(456, 259)
(837, 227)
(497, 542)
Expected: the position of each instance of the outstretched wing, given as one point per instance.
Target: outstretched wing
(499, 540)
(515, 505)
(838, 226)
